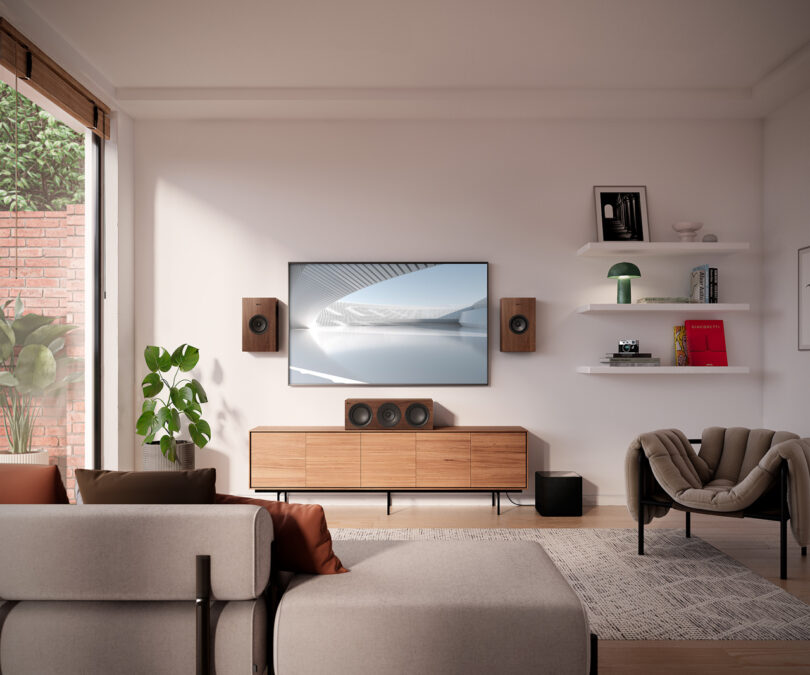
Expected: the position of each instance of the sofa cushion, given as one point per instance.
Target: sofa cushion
(130, 637)
(147, 487)
(301, 539)
(132, 551)
(31, 484)
(433, 607)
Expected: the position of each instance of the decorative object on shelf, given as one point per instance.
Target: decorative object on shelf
(389, 413)
(705, 343)
(159, 416)
(687, 230)
(628, 346)
(623, 271)
(621, 213)
(681, 299)
(710, 238)
(259, 324)
(804, 298)
(518, 324)
(681, 355)
(30, 370)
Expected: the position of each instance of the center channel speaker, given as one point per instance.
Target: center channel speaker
(389, 413)
(259, 325)
(517, 324)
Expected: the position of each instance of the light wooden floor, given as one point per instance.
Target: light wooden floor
(754, 543)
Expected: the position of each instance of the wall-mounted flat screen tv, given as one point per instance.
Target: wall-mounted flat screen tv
(388, 324)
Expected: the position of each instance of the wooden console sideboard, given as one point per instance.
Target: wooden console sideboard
(455, 459)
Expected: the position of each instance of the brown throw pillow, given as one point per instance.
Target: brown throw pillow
(30, 484)
(147, 487)
(301, 539)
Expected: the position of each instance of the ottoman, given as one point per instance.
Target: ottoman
(433, 607)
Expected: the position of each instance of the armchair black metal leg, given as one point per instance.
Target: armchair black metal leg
(641, 503)
(594, 654)
(783, 518)
(203, 609)
(688, 524)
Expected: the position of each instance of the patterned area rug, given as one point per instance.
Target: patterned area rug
(682, 589)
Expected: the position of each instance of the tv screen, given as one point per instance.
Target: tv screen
(388, 324)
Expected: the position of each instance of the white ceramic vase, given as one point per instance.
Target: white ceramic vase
(687, 230)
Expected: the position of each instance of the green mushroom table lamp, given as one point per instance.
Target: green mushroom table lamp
(623, 272)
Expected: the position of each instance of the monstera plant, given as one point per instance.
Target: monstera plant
(32, 367)
(160, 416)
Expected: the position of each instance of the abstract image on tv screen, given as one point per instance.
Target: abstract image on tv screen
(388, 323)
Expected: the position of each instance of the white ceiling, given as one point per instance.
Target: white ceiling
(182, 50)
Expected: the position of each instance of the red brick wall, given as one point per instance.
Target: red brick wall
(42, 260)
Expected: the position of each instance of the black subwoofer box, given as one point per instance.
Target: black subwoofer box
(558, 493)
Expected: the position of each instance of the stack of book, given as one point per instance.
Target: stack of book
(703, 284)
(631, 360)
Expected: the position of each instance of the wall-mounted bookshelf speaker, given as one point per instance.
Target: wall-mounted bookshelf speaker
(389, 413)
(259, 324)
(518, 324)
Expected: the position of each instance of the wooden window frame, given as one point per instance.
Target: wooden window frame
(29, 63)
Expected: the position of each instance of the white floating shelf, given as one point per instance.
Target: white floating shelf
(637, 248)
(663, 370)
(666, 307)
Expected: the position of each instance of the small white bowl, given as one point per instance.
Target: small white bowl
(687, 230)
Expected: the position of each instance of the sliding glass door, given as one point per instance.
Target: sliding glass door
(49, 281)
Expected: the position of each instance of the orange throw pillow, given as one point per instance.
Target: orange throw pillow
(31, 484)
(300, 535)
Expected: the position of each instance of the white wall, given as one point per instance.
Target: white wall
(222, 207)
(786, 229)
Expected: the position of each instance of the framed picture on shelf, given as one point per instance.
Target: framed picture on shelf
(621, 213)
(804, 299)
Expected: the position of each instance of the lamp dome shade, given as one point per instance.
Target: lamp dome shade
(624, 270)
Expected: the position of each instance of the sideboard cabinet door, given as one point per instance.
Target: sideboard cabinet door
(498, 460)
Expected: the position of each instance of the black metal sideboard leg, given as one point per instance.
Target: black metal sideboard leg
(688, 524)
(783, 518)
(203, 608)
(388, 504)
(594, 654)
(493, 498)
(499, 502)
(286, 496)
(641, 467)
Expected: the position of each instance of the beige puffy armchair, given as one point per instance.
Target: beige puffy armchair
(737, 472)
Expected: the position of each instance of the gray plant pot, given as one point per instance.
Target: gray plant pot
(153, 459)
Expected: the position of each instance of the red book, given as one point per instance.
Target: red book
(706, 343)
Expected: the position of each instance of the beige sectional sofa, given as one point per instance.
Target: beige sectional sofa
(111, 589)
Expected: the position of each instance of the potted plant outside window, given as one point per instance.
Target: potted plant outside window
(32, 367)
(160, 417)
